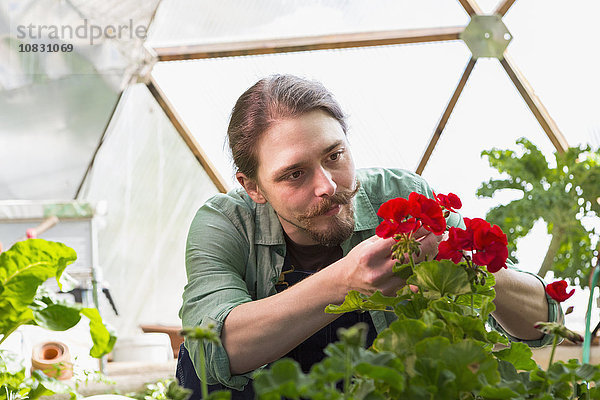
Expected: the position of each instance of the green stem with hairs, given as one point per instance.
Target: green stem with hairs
(203, 371)
(347, 374)
(554, 343)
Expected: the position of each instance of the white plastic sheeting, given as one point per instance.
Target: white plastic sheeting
(153, 186)
(48, 134)
(201, 21)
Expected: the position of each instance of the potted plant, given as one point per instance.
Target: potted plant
(24, 301)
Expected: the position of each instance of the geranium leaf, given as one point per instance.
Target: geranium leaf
(441, 278)
(412, 308)
(403, 335)
(519, 355)
(402, 271)
(356, 301)
(284, 378)
(387, 375)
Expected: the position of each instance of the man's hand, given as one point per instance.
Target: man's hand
(372, 263)
(369, 267)
(429, 245)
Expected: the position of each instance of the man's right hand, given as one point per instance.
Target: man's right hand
(371, 267)
(371, 263)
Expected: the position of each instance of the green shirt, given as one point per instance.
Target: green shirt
(236, 248)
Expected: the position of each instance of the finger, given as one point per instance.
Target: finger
(392, 285)
(420, 233)
(384, 245)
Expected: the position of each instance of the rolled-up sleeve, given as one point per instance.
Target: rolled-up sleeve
(216, 254)
(555, 314)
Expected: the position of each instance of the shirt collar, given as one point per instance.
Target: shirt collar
(270, 232)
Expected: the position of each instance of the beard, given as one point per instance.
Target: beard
(341, 225)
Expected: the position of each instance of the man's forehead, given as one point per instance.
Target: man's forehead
(291, 164)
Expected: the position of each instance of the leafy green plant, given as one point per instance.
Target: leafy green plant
(165, 389)
(24, 301)
(439, 346)
(561, 195)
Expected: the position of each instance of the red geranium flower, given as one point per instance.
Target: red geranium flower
(386, 229)
(428, 212)
(487, 244)
(395, 218)
(451, 249)
(394, 209)
(558, 291)
(450, 202)
(490, 244)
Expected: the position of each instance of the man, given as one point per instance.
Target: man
(305, 212)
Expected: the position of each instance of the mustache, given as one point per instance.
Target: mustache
(339, 198)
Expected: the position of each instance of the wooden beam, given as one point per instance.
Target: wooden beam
(446, 116)
(307, 43)
(535, 104)
(186, 135)
(503, 7)
(471, 7)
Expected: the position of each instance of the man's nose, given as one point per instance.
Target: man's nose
(324, 184)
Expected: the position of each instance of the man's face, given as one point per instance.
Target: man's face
(306, 173)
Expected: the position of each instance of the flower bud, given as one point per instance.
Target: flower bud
(569, 310)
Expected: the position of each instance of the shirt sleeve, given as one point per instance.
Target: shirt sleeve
(216, 254)
(555, 314)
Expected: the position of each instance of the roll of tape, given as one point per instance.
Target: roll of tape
(53, 359)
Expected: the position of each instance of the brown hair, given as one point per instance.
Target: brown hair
(270, 100)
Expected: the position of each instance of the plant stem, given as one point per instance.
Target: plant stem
(203, 371)
(472, 304)
(554, 343)
(347, 374)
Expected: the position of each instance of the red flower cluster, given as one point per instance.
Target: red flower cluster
(486, 242)
(451, 202)
(404, 216)
(558, 291)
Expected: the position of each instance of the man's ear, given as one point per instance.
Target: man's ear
(251, 188)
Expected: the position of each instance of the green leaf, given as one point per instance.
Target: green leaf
(402, 336)
(519, 355)
(284, 378)
(402, 271)
(441, 278)
(217, 395)
(466, 325)
(471, 364)
(23, 268)
(588, 372)
(412, 308)
(479, 292)
(501, 391)
(41, 385)
(103, 339)
(356, 301)
(176, 392)
(58, 317)
(389, 376)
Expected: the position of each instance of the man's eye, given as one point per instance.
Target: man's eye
(295, 175)
(335, 156)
